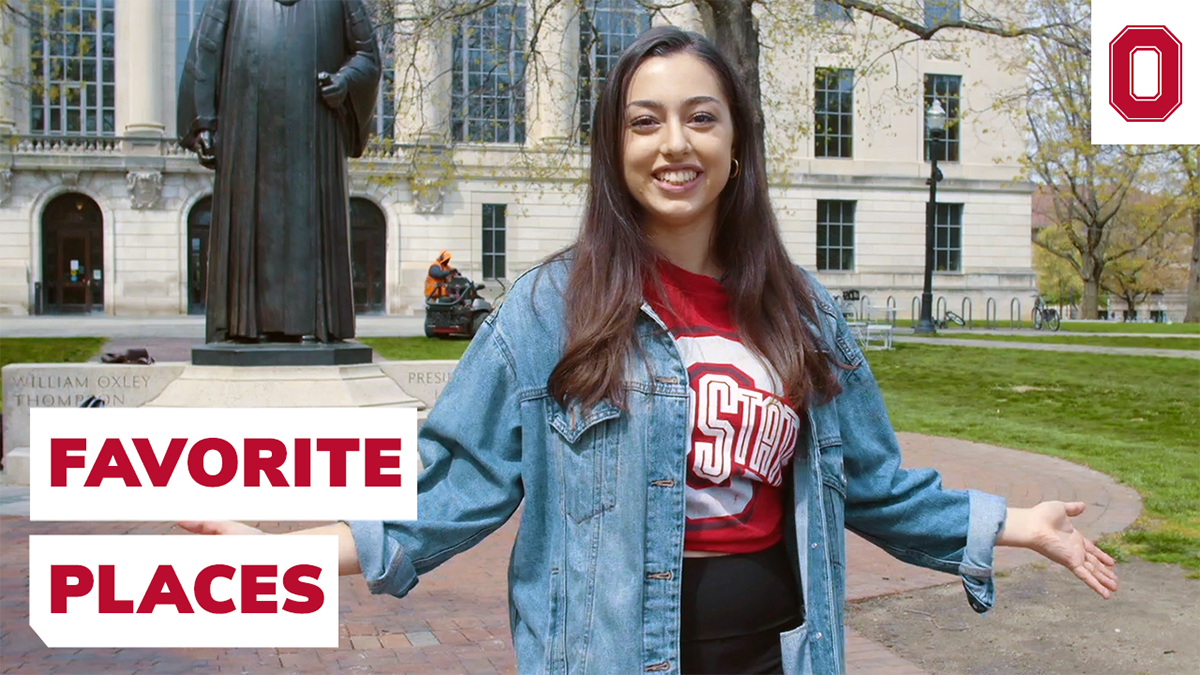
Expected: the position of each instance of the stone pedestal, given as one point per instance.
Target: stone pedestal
(281, 354)
(66, 385)
(353, 386)
(182, 385)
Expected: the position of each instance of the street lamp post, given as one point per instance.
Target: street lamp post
(935, 120)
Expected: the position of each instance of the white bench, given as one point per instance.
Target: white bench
(874, 329)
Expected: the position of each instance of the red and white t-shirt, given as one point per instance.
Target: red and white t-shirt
(743, 432)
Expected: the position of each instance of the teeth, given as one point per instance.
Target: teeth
(677, 177)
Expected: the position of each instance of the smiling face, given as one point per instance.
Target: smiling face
(677, 144)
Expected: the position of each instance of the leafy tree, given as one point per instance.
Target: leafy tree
(1089, 183)
(1057, 279)
(1152, 238)
(1188, 162)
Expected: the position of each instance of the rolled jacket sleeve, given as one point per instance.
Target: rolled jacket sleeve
(471, 448)
(907, 512)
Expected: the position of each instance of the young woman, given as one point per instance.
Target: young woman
(687, 419)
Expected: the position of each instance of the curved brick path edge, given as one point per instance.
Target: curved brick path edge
(456, 620)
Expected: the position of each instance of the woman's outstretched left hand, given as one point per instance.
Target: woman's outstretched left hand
(1047, 529)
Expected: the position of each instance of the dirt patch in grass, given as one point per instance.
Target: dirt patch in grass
(1046, 623)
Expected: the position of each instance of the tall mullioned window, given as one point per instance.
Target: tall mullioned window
(187, 16)
(942, 11)
(833, 129)
(947, 238)
(828, 10)
(494, 234)
(947, 89)
(488, 99)
(606, 28)
(72, 60)
(835, 234)
(384, 122)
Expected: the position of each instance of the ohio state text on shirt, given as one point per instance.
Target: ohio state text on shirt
(743, 432)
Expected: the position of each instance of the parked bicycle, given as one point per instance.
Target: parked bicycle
(949, 318)
(1044, 316)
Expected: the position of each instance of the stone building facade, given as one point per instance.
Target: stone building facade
(100, 212)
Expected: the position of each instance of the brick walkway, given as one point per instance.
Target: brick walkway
(456, 620)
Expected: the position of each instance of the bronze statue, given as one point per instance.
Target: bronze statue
(275, 95)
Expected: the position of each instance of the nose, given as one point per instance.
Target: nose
(675, 139)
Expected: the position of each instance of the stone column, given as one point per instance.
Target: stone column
(423, 78)
(139, 38)
(553, 73)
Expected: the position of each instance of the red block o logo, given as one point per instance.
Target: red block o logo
(1169, 96)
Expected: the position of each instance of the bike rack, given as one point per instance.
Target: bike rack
(991, 314)
(940, 307)
(890, 303)
(1014, 316)
(967, 308)
(916, 309)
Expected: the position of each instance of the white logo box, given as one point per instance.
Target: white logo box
(1109, 19)
(208, 483)
(123, 569)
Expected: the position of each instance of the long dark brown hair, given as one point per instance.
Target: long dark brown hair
(612, 259)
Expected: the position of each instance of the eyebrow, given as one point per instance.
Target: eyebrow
(643, 103)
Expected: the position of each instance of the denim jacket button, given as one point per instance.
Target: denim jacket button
(818, 636)
(814, 546)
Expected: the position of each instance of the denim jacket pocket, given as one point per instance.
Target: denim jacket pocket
(587, 445)
(797, 660)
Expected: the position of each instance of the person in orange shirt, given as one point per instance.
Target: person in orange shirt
(440, 272)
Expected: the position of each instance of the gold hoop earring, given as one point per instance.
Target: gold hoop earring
(737, 169)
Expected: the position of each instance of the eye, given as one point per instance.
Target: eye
(704, 118)
(643, 122)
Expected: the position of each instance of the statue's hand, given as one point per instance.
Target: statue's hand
(333, 89)
(206, 148)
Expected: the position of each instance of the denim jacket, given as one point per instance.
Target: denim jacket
(594, 578)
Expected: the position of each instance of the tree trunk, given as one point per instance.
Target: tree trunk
(1193, 292)
(1092, 273)
(1090, 306)
(735, 32)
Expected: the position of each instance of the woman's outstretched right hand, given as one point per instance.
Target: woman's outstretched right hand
(218, 527)
(347, 551)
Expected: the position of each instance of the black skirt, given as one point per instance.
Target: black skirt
(734, 608)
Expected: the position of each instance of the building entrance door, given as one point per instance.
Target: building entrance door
(72, 256)
(368, 256)
(199, 222)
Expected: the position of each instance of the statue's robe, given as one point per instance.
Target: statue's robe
(279, 253)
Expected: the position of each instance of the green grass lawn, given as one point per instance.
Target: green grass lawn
(1117, 327)
(417, 348)
(1088, 326)
(48, 350)
(1146, 342)
(1134, 418)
